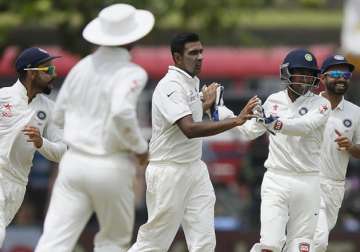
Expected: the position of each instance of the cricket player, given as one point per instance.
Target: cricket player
(290, 193)
(97, 106)
(26, 127)
(179, 190)
(341, 141)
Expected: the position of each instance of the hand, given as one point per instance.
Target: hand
(143, 158)
(209, 95)
(247, 112)
(34, 136)
(343, 142)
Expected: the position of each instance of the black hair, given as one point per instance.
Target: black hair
(22, 75)
(179, 41)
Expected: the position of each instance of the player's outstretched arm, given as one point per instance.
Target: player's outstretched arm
(300, 126)
(193, 129)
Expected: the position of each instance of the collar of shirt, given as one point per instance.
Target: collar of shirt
(21, 90)
(187, 77)
(112, 52)
(340, 106)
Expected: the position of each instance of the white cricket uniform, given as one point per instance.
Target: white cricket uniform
(16, 154)
(290, 193)
(97, 105)
(179, 190)
(333, 165)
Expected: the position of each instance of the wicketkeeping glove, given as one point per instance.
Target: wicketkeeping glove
(219, 101)
(270, 123)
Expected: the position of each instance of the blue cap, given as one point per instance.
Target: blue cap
(335, 60)
(301, 58)
(32, 57)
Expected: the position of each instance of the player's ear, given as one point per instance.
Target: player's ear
(177, 58)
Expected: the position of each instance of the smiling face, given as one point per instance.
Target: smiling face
(191, 58)
(337, 85)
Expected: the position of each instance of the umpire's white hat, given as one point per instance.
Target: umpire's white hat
(119, 24)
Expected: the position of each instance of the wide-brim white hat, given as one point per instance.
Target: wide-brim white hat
(119, 24)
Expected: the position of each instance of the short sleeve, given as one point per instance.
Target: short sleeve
(172, 102)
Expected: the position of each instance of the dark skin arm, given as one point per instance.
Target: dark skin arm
(34, 136)
(193, 129)
(345, 143)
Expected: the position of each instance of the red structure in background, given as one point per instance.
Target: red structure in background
(219, 62)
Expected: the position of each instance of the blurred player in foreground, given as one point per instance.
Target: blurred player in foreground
(290, 193)
(179, 190)
(341, 141)
(97, 105)
(26, 127)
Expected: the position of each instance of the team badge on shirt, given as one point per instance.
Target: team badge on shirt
(278, 125)
(303, 111)
(347, 123)
(41, 115)
(304, 247)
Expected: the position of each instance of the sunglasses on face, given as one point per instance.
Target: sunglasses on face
(339, 74)
(49, 69)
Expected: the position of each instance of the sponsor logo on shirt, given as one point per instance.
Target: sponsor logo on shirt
(6, 110)
(347, 123)
(169, 94)
(323, 109)
(303, 111)
(304, 247)
(278, 125)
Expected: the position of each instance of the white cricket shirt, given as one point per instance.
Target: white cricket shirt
(346, 119)
(16, 154)
(296, 148)
(97, 104)
(175, 96)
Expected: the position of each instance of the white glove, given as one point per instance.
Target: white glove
(258, 111)
(224, 113)
(270, 123)
(219, 101)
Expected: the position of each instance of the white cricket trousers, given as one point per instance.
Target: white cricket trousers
(332, 194)
(12, 195)
(84, 185)
(178, 194)
(289, 208)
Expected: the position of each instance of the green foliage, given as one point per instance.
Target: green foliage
(212, 17)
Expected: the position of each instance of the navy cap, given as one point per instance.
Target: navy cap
(301, 58)
(32, 57)
(335, 60)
